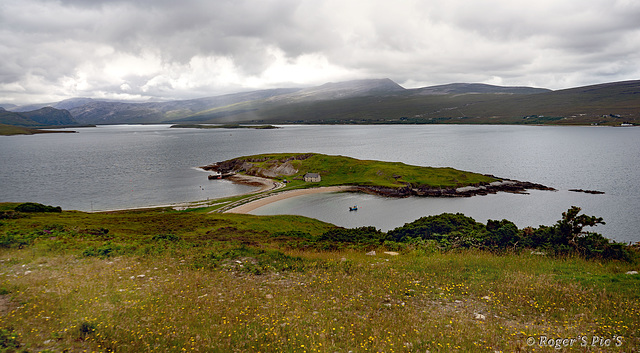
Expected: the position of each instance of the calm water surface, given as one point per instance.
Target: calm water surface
(110, 167)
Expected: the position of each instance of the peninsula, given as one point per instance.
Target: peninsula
(320, 172)
(9, 130)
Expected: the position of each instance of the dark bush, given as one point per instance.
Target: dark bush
(566, 237)
(501, 234)
(8, 340)
(97, 232)
(165, 237)
(14, 239)
(106, 250)
(353, 235)
(436, 227)
(87, 327)
(293, 234)
(11, 214)
(30, 207)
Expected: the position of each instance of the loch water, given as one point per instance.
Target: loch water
(124, 166)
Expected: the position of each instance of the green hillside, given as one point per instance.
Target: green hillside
(15, 119)
(378, 102)
(43, 117)
(8, 130)
(609, 104)
(340, 170)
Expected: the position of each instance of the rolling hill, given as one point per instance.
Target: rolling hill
(478, 88)
(43, 117)
(379, 101)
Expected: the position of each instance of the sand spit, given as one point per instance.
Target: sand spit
(248, 207)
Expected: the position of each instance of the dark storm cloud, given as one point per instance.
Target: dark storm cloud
(179, 49)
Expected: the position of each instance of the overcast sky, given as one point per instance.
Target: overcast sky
(176, 49)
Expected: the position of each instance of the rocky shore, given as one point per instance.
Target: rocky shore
(512, 186)
(594, 192)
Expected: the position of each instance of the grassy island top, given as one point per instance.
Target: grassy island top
(340, 170)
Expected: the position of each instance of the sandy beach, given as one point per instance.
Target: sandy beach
(248, 207)
(264, 183)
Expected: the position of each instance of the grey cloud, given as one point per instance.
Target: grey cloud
(548, 43)
(241, 30)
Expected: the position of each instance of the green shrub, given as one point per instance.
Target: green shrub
(20, 239)
(8, 340)
(465, 240)
(15, 239)
(250, 260)
(566, 237)
(30, 207)
(501, 234)
(292, 234)
(100, 233)
(166, 237)
(592, 245)
(394, 246)
(360, 235)
(423, 246)
(53, 230)
(85, 329)
(436, 227)
(106, 250)
(10, 214)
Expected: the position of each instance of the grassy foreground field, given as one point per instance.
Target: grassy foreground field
(168, 281)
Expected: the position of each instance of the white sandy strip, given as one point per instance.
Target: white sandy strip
(266, 184)
(250, 206)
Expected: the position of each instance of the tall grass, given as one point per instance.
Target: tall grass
(180, 282)
(338, 301)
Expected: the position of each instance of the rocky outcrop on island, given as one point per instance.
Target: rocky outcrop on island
(248, 166)
(595, 192)
(505, 185)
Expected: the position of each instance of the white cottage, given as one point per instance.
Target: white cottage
(312, 177)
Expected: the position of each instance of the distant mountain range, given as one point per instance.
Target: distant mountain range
(42, 117)
(375, 101)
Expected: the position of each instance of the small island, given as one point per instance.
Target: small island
(225, 126)
(594, 192)
(316, 172)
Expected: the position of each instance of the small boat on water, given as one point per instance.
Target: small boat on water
(354, 208)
